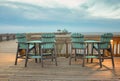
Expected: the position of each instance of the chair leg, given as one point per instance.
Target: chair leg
(103, 55)
(70, 59)
(56, 61)
(26, 59)
(55, 56)
(41, 58)
(16, 57)
(112, 57)
(87, 52)
(35, 50)
(39, 53)
(84, 58)
(17, 54)
(42, 61)
(75, 54)
(99, 56)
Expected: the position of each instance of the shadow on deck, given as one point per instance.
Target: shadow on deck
(62, 72)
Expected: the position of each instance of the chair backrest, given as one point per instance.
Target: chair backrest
(48, 40)
(21, 37)
(106, 39)
(77, 40)
(77, 37)
(48, 37)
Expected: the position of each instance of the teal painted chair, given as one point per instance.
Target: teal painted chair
(22, 47)
(48, 47)
(105, 45)
(78, 44)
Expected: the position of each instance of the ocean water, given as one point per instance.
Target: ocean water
(99, 33)
(85, 33)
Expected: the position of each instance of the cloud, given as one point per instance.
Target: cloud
(52, 3)
(61, 14)
(104, 8)
(66, 10)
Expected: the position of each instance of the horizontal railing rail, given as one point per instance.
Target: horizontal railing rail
(6, 37)
(63, 43)
(116, 45)
(64, 46)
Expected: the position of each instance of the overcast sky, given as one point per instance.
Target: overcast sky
(50, 15)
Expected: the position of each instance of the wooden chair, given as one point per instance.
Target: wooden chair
(48, 47)
(22, 47)
(105, 45)
(78, 44)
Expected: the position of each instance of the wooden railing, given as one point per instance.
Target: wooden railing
(116, 45)
(63, 41)
(6, 37)
(64, 46)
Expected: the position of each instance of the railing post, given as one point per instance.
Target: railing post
(7, 37)
(67, 55)
(0, 37)
(66, 50)
(13, 36)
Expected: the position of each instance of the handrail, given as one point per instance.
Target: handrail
(63, 43)
(7, 37)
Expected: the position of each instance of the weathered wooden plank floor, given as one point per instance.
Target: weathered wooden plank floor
(62, 72)
(50, 72)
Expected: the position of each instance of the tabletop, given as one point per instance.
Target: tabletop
(92, 41)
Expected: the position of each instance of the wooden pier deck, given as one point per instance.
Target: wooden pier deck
(62, 72)
(50, 72)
